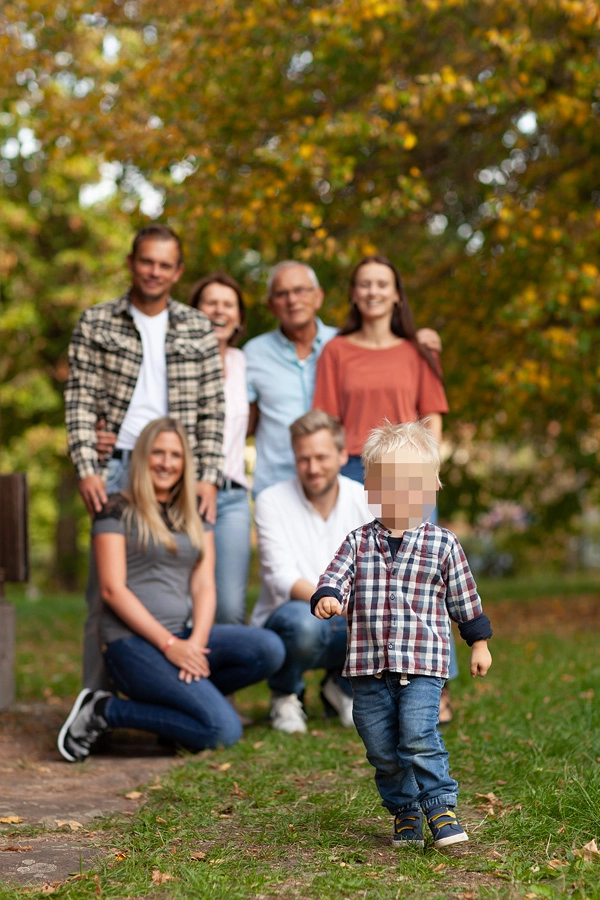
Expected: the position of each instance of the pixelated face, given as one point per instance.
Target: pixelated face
(401, 490)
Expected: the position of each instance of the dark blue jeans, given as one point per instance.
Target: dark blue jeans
(398, 726)
(195, 715)
(310, 643)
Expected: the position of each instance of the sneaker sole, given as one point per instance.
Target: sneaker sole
(451, 839)
(298, 730)
(63, 731)
(407, 845)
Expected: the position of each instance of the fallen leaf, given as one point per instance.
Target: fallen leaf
(13, 849)
(198, 854)
(531, 896)
(161, 820)
(567, 677)
(47, 888)
(10, 820)
(491, 797)
(440, 867)
(557, 863)
(587, 695)
(588, 852)
(98, 889)
(159, 877)
(69, 823)
(495, 854)
(133, 795)
(224, 767)
(119, 854)
(155, 787)
(258, 744)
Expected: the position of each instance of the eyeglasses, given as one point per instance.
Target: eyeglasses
(294, 292)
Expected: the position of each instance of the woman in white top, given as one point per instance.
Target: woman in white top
(219, 297)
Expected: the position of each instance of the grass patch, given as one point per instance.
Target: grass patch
(299, 817)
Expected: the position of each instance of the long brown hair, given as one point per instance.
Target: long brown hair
(402, 323)
(223, 278)
(143, 511)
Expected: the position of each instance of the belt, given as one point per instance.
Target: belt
(230, 485)
(120, 454)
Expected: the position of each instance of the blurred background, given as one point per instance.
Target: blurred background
(458, 138)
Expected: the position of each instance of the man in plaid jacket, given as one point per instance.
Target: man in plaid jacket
(132, 360)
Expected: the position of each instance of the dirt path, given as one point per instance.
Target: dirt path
(37, 787)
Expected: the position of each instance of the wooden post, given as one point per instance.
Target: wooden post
(14, 566)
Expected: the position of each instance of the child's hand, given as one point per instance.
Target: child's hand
(328, 607)
(481, 659)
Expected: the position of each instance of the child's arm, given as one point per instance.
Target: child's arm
(481, 659)
(335, 584)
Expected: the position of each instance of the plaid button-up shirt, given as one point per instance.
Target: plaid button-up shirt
(399, 609)
(105, 355)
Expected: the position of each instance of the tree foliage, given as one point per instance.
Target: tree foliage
(460, 138)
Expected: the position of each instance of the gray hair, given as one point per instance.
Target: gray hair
(317, 420)
(288, 264)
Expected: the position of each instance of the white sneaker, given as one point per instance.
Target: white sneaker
(287, 714)
(340, 701)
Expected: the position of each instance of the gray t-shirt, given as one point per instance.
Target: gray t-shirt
(158, 578)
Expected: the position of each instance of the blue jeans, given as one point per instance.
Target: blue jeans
(354, 469)
(398, 726)
(195, 715)
(94, 671)
(232, 549)
(310, 643)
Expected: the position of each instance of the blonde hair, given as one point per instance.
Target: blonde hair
(412, 435)
(317, 420)
(143, 511)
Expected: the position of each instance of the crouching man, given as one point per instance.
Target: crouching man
(300, 524)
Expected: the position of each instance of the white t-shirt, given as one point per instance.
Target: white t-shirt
(237, 411)
(149, 400)
(294, 541)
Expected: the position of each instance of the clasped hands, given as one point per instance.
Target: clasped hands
(190, 659)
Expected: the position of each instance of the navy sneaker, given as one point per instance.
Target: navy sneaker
(445, 827)
(408, 829)
(84, 725)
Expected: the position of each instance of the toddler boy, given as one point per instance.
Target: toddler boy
(401, 580)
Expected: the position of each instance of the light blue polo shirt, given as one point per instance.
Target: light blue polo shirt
(283, 386)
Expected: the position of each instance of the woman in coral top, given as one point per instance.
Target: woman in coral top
(375, 369)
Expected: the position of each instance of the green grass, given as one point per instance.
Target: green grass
(299, 817)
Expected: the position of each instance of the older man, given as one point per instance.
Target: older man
(282, 366)
(300, 524)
